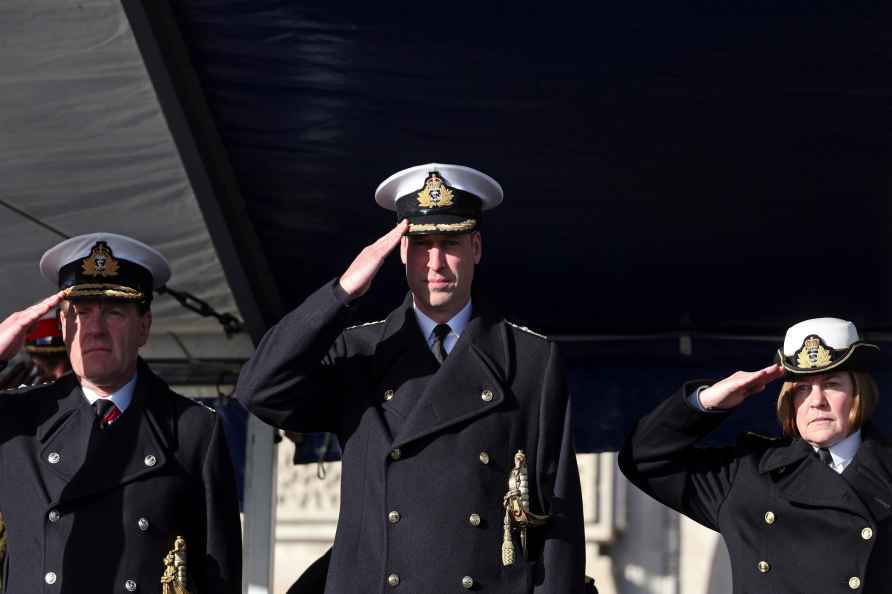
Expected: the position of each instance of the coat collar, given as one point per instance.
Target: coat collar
(486, 324)
(786, 455)
(69, 397)
(801, 477)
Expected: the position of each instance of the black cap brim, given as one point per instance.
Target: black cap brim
(861, 356)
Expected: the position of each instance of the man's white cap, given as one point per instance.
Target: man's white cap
(820, 345)
(105, 266)
(438, 197)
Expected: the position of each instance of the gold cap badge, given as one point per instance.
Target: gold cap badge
(435, 193)
(100, 262)
(813, 354)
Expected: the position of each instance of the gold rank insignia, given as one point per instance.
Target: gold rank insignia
(813, 354)
(100, 262)
(435, 193)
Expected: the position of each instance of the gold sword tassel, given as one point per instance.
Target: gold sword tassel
(507, 543)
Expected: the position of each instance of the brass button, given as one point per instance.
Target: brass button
(484, 457)
(867, 533)
(486, 395)
(764, 567)
(854, 582)
(393, 517)
(54, 515)
(467, 582)
(130, 586)
(395, 454)
(393, 580)
(388, 395)
(142, 524)
(769, 517)
(474, 519)
(50, 577)
(54, 458)
(150, 460)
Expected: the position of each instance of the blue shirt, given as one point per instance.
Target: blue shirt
(121, 397)
(456, 326)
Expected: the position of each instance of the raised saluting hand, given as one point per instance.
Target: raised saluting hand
(15, 328)
(358, 277)
(737, 387)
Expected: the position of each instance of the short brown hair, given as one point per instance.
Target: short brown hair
(864, 401)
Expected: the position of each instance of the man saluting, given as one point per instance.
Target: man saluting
(106, 471)
(431, 407)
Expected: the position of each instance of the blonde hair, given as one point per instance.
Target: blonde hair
(864, 401)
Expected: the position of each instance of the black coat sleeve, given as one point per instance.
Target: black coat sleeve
(291, 380)
(562, 568)
(659, 457)
(223, 558)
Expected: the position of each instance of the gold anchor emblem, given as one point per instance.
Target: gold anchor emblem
(435, 193)
(100, 262)
(813, 354)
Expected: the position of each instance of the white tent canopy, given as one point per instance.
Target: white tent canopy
(84, 147)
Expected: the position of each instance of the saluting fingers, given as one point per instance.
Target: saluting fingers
(392, 238)
(763, 377)
(38, 310)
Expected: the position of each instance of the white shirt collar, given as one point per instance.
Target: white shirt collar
(844, 451)
(121, 397)
(456, 325)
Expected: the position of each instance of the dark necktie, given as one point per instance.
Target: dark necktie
(824, 455)
(441, 331)
(106, 411)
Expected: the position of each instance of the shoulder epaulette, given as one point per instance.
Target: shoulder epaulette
(22, 388)
(211, 409)
(755, 439)
(525, 329)
(364, 325)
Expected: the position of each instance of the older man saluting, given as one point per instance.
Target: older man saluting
(106, 472)
(458, 463)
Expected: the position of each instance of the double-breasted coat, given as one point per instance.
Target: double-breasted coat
(91, 510)
(427, 450)
(792, 524)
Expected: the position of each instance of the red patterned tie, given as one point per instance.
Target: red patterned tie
(106, 411)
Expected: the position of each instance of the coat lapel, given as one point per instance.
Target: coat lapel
(136, 445)
(802, 478)
(469, 384)
(63, 438)
(402, 362)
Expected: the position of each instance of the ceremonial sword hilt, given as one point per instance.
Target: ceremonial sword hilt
(518, 516)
